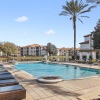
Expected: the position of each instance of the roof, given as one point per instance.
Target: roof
(95, 50)
(68, 48)
(87, 35)
(64, 48)
(77, 48)
(85, 42)
(33, 45)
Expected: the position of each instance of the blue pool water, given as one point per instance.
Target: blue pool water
(67, 72)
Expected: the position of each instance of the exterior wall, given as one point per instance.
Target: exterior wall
(29, 52)
(86, 38)
(87, 46)
(77, 52)
(33, 51)
(84, 46)
(63, 52)
(58, 53)
(91, 42)
(24, 51)
(84, 53)
(38, 51)
(43, 52)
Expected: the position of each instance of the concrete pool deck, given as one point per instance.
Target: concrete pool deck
(80, 89)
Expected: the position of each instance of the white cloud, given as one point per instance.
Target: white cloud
(21, 19)
(50, 31)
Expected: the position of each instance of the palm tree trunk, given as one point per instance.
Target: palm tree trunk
(74, 26)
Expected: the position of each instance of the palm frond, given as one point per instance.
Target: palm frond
(82, 6)
(65, 13)
(76, 8)
(98, 2)
(66, 8)
(85, 16)
(88, 10)
(92, 7)
(70, 7)
(80, 20)
(71, 18)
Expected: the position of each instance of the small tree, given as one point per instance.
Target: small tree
(51, 49)
(9, 48)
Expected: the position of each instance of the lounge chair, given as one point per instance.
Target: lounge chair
(4, 72)
(1, 70)
(8, 82)
(6, 76)
(14, 92)
(1, 65)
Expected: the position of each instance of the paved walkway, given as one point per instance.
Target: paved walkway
(83, 89)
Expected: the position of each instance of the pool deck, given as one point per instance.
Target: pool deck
(80, 89)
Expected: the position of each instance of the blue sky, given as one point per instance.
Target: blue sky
(25, 22)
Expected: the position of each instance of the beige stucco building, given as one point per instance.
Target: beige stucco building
(86, 48)
(33, 50)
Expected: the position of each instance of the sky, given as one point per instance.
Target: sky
(26, 22)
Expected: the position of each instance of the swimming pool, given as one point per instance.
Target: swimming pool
(67, 72)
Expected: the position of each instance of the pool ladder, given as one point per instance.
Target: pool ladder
(90, 67)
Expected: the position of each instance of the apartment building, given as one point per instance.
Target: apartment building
(87, 44)
(86, 48)
(39, 50)
(70, 51)
(33, 50)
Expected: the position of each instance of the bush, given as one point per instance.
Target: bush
(94, 60)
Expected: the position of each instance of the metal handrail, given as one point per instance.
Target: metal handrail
(86, 70)
(90, 67)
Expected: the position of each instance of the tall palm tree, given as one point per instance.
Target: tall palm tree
(76, 9)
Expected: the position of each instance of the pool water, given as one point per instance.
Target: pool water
(67, 72)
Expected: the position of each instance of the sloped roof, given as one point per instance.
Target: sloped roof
(85, 42)
(32, 45)
(35, 45)
(87, 35)
(68, 48)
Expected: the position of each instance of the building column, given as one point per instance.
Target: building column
(67, 56)
(1, 53)
(87, 56)
(80, 55)
(94, 55)
(58, 59)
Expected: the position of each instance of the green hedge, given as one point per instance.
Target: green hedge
(32, 58)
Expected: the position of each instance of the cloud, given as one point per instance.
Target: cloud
(50, 31)
(21, 19)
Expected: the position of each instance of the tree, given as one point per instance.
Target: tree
(9, 48)
(96, 36)
(51, 49)
(75, 8)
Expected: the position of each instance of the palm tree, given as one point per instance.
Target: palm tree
(75, 8)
